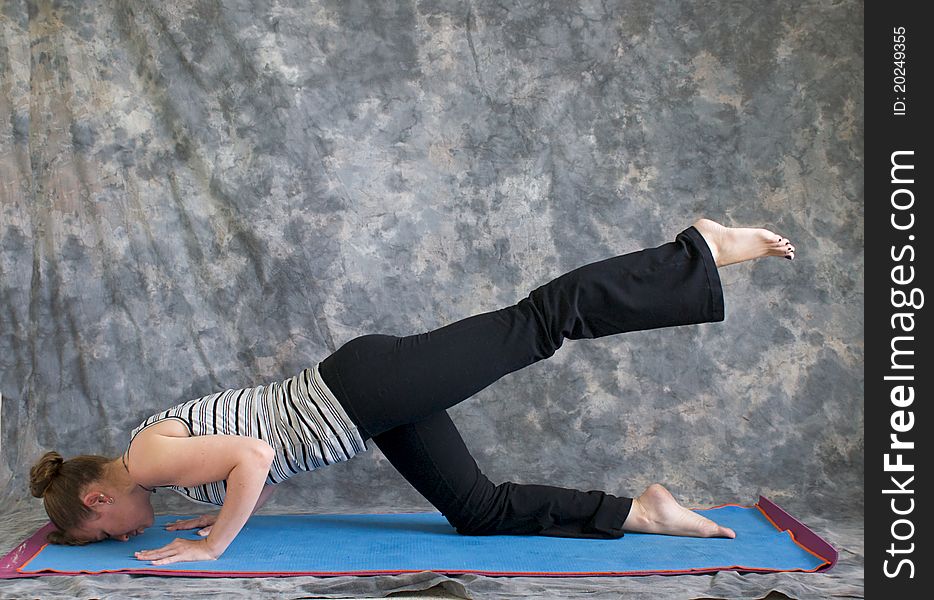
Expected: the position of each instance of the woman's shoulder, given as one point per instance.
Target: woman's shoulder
(171, 427)
(141, 450)
(160, 425)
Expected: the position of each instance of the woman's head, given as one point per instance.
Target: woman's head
(79, 496)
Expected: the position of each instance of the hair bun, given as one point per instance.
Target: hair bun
(43, 472)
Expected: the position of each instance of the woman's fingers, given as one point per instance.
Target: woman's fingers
(206, 531)
(166, 551)
(156, 553)
(191, 523)
(178, 551)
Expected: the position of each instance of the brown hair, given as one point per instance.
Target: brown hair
(59, 483)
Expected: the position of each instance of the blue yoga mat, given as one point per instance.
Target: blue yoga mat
(394, 543)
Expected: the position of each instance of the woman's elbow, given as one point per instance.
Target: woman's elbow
(263, 452)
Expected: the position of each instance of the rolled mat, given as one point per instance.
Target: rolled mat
(767, 540)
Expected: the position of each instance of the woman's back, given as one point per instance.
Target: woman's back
(298, 417)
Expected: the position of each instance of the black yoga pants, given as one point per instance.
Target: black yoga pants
(397, 389)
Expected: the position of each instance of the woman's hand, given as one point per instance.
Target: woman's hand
(204, 521)
(180, 550)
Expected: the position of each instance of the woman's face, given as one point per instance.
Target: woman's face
(126, 517)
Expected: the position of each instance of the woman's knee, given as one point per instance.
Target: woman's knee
(480, 511)
(547, 330)
(465, 524)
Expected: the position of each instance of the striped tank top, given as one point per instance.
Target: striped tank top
(299, 417)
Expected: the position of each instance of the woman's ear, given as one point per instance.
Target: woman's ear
(94, 498)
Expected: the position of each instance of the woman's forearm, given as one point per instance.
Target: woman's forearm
(244, 488)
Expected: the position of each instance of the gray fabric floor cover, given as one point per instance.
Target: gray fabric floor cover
(199, 195)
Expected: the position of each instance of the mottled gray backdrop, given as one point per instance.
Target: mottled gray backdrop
(199, 195)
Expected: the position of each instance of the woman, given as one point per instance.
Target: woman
(231, 448)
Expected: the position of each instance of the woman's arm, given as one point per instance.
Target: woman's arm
(189, 461)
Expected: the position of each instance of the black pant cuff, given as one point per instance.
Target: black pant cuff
(610, 516)
(714, 286)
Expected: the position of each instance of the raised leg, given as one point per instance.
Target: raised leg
(386, 381)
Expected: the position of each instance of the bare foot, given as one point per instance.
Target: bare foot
(657, 511)
(730, 245)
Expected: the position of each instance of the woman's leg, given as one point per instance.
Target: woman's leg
(396, 389)
(431, 455)
(387, 381)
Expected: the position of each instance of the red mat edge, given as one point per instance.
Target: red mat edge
(23, 553)
(803, 536)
